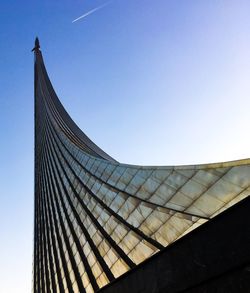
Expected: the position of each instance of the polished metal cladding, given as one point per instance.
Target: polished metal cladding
(95, 218)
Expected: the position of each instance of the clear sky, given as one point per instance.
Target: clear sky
(159, 82)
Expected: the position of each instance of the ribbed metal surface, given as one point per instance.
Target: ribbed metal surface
(95, 218)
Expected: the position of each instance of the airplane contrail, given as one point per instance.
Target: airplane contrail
(92, 11)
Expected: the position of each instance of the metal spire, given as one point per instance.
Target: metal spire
(37, 45)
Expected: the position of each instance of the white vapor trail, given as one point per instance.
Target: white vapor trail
(92, 11)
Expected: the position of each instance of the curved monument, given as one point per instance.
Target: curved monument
(95, 218)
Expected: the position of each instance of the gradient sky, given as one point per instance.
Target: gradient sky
(160, 82)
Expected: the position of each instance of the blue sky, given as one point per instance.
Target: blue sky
(159, 82)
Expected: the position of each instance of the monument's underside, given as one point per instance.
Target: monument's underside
(95, 218)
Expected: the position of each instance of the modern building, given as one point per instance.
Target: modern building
(97, 219)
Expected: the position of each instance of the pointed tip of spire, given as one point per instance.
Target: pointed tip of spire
(37, 45)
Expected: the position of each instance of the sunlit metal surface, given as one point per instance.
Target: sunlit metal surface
(95, 218)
